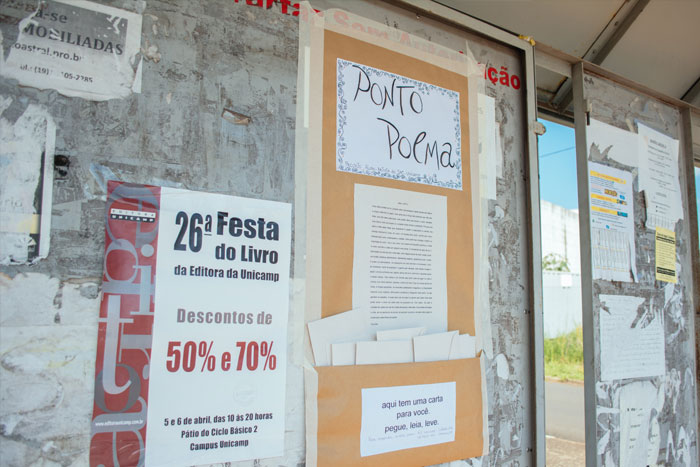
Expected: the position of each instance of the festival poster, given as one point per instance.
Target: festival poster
(191, 358)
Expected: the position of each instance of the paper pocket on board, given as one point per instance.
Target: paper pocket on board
(400, 414)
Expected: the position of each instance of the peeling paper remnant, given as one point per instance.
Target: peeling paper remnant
(26, 184)
(79, 48)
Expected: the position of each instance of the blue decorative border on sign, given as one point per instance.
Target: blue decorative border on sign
(394, 174)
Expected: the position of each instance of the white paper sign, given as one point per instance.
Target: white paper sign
(219, 352)
(658, 178)
(399, 264)
(79, 48)
(403, 417)
(612, 223)
(631, 343)
(395, 127)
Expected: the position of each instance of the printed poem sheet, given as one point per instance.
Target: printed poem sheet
(399, 265)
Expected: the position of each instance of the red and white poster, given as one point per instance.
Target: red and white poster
(191, 355)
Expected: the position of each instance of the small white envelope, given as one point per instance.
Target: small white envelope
(400, 334)
(375, 352)
(349, 326)
(433, 347)
(463, 346)
(343, 354)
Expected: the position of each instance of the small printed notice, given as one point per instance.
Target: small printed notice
(665, 255)
(639, 426)
(193, 328)
(631, 338)
(399, 265)
(612, 223)
(395, 127)
(404, 417)
(658, 178)
(78, 48)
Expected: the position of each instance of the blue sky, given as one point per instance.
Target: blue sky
(557, 153)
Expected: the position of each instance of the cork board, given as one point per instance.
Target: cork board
(338, 187)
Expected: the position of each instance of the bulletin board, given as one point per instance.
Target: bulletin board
(479, 270)
(640, 406)
(337, 191)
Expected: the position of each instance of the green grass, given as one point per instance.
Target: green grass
(563, 356)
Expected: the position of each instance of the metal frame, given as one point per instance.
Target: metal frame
(584, 216)
(602, 46)
(690, 161)
(453, 17)
(581, 121)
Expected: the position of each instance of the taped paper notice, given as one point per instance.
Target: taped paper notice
(658, 178)
(26, 186)
(399, 266)
(631, 338)
(612, 223)
(395, 127)
(404, 417)
(665, 255)
(78, 48)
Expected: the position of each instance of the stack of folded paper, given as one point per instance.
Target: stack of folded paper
(346, 339)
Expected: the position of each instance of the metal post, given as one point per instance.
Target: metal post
(689, 161)
(581, 122)
(535, 261)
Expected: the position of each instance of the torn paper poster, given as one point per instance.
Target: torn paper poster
(658, 178)
(638, 423)
(612, 142)
(26, 185)
(79, 48)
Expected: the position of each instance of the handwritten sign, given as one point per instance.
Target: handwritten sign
(395, 127)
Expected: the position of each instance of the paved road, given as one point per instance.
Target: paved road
(564, 411)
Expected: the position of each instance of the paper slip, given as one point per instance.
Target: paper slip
(343, 354)
(463, 346)
(349, 326)
(400, 334)
(376, 352)
(433, 347)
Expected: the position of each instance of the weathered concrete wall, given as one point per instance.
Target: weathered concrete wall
(202, 58)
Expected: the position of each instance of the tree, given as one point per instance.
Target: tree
(555, 262)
